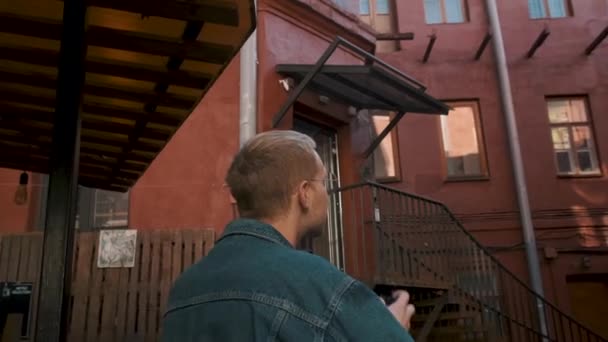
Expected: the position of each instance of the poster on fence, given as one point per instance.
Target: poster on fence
(117, 248)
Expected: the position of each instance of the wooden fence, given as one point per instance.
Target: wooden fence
(111, 305)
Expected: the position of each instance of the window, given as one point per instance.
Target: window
(463, 143)
(382, 7)
(364, 7)
(386, 155)
(572, 136)
(444, 11)
(548, 9)
(102, 209)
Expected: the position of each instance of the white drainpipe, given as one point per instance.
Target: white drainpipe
(248, 89)
(516, 160)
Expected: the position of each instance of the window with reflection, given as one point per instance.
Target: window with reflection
(548, 9)
(572, 136)
(386, 155)
(462, 142)
(445, 11)
(102, 209)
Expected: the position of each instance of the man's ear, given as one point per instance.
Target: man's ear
(304, 196)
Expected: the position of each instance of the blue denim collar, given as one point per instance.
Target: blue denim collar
(254, 228)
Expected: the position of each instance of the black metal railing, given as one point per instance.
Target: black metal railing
(394, 238)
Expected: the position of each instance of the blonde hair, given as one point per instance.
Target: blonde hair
(267, 169)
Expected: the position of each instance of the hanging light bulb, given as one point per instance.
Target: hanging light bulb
(21, 193)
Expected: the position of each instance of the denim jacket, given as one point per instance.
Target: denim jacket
(254, 286)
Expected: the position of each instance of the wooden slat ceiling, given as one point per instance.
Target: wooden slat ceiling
(148, 64)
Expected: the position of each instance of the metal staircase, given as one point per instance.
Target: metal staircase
(393, 239)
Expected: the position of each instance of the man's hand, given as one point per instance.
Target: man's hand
(402, 309)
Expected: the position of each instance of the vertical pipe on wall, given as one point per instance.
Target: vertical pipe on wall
(248, 89)
(516, 161)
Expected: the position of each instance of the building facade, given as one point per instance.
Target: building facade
(560, 95)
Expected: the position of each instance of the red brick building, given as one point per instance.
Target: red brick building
(560, 95)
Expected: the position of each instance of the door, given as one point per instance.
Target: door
(330, 243)
(589, 301)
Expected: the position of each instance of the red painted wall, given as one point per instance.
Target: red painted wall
(18, 218)
(184, 186)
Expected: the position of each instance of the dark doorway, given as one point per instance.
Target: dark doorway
(330, 243)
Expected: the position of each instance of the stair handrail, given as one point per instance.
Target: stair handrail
(476, 243)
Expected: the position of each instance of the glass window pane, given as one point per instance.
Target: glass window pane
(537, 9)
(382, 7)
(364, 7)
(582, 137)
(561, 138)
(559, 111)
(564, 164)
(456, 166)
(557, 8)
(432, 11)
(111, 209)
(384, 161)
(585, 161)
(577, 110)
(460, 142)
(453, 11)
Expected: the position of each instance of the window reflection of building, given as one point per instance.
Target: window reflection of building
(102, 209)
(379, 14)
(386, 156)
(572, 137)
(462, 142)
(445, 11)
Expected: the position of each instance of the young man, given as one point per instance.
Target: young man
(254, 285)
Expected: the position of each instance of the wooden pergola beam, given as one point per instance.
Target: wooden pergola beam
(99, 89)
(429, 48)
(103, 66)
(41, 155)
(189, 36)
(482, 47)
(211, 11)
(86, 138)
(23, 143)
(395, 36)
(9, 96)
(540, 40)
(33, 118)
(119, 39)
(597, 41)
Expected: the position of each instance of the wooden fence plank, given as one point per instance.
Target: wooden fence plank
(131, 307)
(5, 257)
(188, 249)
(132, 292)
(177, 266)
(167, 262)
(14, 257)
(109, 291)
(26, 243)
(94, 294)
(199, 245)
(153, 294)
(33, 276)
(144, 290)
(80, 286)
(120, 319)
(209, 241)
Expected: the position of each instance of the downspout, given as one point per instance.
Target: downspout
(248, 88)
(517, 162)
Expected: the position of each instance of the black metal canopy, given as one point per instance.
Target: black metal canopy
(367, 87)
